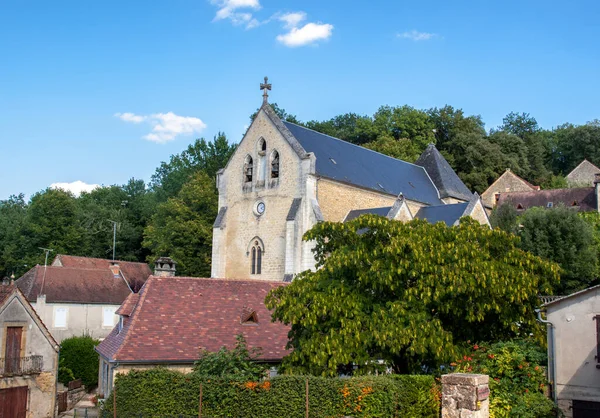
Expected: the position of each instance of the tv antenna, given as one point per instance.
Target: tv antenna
(47, 251)
(114, 237)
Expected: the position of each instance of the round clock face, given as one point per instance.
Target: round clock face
(260, 208)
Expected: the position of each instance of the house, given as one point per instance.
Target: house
(581, 199)
(574, 352)
(284, 178)
(582, 175)
(507, 182)
(28, 358)
(172, 318)
(78, 296)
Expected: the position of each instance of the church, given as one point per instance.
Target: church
(284, 178)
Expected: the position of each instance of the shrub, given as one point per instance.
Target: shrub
(78, 355)
(160, 392)
(517, 377)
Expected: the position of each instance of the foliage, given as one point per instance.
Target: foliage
(65, 375)
(517, 377)
(280, 112)
(505, 217)
(239, 362)
(402, 149)
(372, 396)
(78, 355)
(182, 227)
(202, 155)
(573, 144)
(411, 292)
(561, 235)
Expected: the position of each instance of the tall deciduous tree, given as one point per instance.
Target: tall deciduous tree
(13, 212)
(407, 293)
(181, 228)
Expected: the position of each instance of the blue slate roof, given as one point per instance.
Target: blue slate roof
(442, 213)
(444, 177)
(345, 162)
(353, 214)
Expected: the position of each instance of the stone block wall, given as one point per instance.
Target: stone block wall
(465, 396)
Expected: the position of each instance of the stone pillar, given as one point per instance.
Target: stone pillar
(465, 395)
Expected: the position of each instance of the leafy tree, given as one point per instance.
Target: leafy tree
(239, 362)
(13, 213)
(555, 182)
(181, 228)
(349, 127)
(519, 124)
(573, 144)
(402, 149)
(407, 293)
(515, 151)
(505, 217)
(405, 123)
(78, 355)
(202, 155)
(560, 235)
(450, 122)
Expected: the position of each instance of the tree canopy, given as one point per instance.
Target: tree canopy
(407, 293)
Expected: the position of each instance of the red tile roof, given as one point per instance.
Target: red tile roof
(73, 285)
(135, 273)
(5, 291)
(584, 197)
(176, 317)
(128, 305)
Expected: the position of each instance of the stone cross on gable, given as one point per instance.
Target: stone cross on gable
(266, 86)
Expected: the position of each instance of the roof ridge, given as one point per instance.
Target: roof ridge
(354, 145)
(97, 258)
(211, 279)
(134, 320)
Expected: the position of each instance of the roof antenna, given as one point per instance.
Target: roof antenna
(114, 237)
(48, 251)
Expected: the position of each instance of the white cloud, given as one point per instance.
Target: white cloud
(130, 117)
(307, 34)
(292, 20)
(165, 126)
(414, 35)
(76, 187)
(228, 9)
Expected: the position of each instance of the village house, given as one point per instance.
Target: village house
(574, 352)
(77, 296)
(28, 358)
(284, 178)
(583, 175)
(172, 318)
(508, 182)
(581, 199)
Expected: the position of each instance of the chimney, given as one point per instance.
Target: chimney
(5, 281)
(597, 186)
(164, 267)
(116, 270)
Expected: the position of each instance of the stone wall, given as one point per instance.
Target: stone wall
(507, 182)
(465, 396)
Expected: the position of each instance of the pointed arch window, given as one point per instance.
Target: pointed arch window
(262, 161)
(256, 255)
(248, 169)
(274, 165)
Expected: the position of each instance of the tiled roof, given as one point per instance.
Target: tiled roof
(136, 273)
(5, 291)
(73, 285)
(443, 176)
(584, 197)
(345, 162)
(448, 214)
(353, 214)
(128, 305)
(176, 317)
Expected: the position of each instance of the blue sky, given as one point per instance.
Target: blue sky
(102, 91)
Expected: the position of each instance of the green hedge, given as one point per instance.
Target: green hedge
(161, 392)
(77, 354)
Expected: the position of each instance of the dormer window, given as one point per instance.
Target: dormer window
(248, 169)
(275, 165)
(549, 205)
(248, 316)
(519, 207)
(574, 203)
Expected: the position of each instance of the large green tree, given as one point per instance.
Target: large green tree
(407, 293)
(560, 235)
(13, 212)
(181, 228)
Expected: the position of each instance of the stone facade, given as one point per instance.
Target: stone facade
(573, 348)
(465, 396)
(582, 175)
(39, 375)
(507, 182)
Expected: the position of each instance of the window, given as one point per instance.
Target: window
(108, 316)
(60, 317)
(549, 205)
(120, 323)
(262, 162)
(248, 169)
(256, 258)
(275, 165)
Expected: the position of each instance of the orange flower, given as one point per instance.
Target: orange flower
(266, 385)
(475, 347)
(250, 385)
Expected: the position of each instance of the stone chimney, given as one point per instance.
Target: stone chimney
(5, 281)
(164, 267)
(597, 186)
(116, 270)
